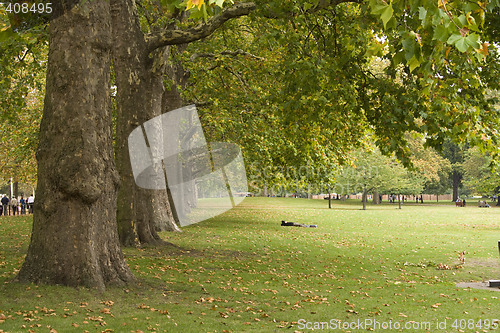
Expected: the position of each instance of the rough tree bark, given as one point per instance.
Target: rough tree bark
(139, 68)
(74, 239)
(139, 79)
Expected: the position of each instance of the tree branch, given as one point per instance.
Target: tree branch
(175, 37)
(227, 53)
(166, 37)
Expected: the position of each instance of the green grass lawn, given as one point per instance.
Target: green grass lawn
(242, 272)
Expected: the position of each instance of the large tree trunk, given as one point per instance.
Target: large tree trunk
(74, 239)
(139, 79)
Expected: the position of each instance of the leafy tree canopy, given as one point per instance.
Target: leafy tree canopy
(301, 82)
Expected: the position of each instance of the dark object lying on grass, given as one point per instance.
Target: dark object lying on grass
(293, 224)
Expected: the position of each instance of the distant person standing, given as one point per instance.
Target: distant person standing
(31, 201)
(13, 204)
(22, 202)
(5, 205)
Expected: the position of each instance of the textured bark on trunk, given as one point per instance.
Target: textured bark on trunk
(140, 62)
(74, 239)
(139, 79)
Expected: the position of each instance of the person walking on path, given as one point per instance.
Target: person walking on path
(31, 201)
(13, 204)
(5, 205)
(23, 205)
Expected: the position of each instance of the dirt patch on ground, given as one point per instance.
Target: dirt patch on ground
(491, 266)
(491, 263)
(476, 285)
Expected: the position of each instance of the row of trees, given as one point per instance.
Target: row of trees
(294, 83)
(459, 171)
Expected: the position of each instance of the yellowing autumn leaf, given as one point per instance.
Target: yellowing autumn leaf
(442, 3)
(195, 3)
(484, 49)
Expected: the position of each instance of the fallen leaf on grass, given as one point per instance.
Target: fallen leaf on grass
(106, 311)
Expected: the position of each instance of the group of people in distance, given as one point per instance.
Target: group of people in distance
(461, 203)
(15, 206)
(483, 204)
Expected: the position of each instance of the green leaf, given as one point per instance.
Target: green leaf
(463, 20)
(385, 11)
(413, 63)
(440, 33)
(462, 45)
(376, 7)
(387, 15)
(453, 39)
(422, 14)
(409, 47)
(473, 40)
